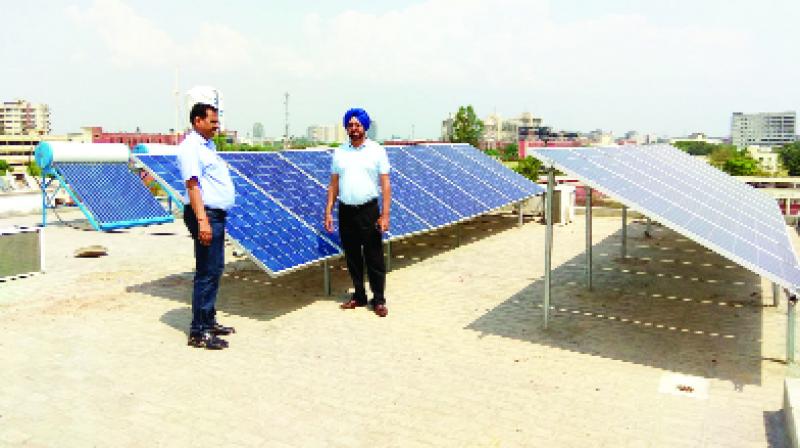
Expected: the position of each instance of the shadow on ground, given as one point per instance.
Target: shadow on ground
(247, 291)
(672, 304)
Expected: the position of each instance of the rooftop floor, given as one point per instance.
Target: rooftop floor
(675, 346)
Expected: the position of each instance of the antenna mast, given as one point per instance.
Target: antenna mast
(286, 117)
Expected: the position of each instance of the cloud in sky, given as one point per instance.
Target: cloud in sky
(625, 65)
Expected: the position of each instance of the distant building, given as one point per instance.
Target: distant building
(767, 129)
(322, 133)
(17, 150)
(697, 137)
(447, 129)
(130, 138)
(23, 118)
(498, 132)
(598, 137)
(258, 132)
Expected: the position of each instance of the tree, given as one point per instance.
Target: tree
(3, 167)
(34, 170)
(696, 148)
(529, 167)
(721, 154)
(511, 152)
(741, 165)
(790, 158)
(467, 128)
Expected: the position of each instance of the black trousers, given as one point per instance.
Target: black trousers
(361, 240)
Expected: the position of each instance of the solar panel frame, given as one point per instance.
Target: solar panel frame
(660, 200)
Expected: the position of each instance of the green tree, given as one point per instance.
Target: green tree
(3, 167)
(529, 167)
(34, 170)
(467, 128)
(741, 165)
(790, 158)
(696, 148)
(511, 152)
(721, 154)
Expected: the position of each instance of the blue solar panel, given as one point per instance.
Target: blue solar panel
(281, 198)
(694, 199)
(446, 191)
(277, 240)
(525, 185)
(112, 195)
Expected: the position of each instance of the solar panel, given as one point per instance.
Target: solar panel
(278, 217)
(111, 195)
(465, 205)
(276, 239)
(692, 198)
(526, 186)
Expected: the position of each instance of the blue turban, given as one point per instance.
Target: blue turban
(360, 114)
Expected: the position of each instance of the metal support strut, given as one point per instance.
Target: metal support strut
(790, 328)
(589, 238)
(548, 241)
(776, 295)
(624, 231)
(326, 277)
(519, 209)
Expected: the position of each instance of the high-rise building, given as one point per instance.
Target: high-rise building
(23, 118)
(763, 129)
(258, 132)
(321, 133)
(372, 132)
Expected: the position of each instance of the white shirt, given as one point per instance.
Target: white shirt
(359, 170)
(198, 158)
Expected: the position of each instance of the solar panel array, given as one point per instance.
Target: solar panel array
(278, 216)
(111, 195)
(693, 198)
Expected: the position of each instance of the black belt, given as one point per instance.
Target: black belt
(369, 203)
(217, 212)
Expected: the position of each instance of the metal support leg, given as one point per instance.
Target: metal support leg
(788, 204)
(458, 235)
(548, 241)
(519, 206)
(44, 201)
(776, 294)
(647, 229)
(624, 231)
(589, 238)
(326, 277)
(388, 256)
(790, 329)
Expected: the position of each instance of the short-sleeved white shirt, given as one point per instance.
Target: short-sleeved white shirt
(198, 158)
(359, 170)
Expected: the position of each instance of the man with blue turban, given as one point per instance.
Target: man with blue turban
(357, 169)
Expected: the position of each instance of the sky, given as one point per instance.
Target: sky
(666, 67)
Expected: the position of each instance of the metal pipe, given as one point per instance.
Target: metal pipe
(588, 237)
(647, 228)
(44, 201)
(326, 277)
(790, 328)
(548, 241)
(458, 235)
(519, 206)
(41, 250)
(624, 231)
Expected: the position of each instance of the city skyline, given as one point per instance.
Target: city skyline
(671, 68)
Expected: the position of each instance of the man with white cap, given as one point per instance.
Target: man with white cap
(356, 170)
(210, 193)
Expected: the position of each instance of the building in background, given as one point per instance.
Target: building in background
(321, 133)
(697, 137)
(97, 135)
(447, 129)
(372, 132)
(767, 129)
(598, 137)
(258, 133)
(24, 118)
(498, 132)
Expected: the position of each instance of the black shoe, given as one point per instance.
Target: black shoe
(220, 330)
(207, 340)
